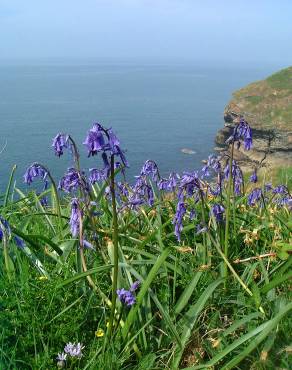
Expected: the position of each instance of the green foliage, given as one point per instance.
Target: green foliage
(281, 79)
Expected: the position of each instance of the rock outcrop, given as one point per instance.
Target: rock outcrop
(267, 106)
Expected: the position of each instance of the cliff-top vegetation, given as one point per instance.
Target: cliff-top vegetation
(266, 103)
(186, 272)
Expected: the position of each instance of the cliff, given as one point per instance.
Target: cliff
(267, 106)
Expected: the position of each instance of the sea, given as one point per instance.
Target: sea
(165, 111)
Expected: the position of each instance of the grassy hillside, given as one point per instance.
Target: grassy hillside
(267, 102)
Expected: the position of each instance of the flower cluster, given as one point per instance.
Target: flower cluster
(254, 197)
(241, 131)
(72, 181)
(73, 350)
(100, 139)
(126, 296)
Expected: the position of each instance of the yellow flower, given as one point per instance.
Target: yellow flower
(99, 333)
(43, 278)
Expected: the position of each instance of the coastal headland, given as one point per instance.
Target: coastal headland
(267, 106)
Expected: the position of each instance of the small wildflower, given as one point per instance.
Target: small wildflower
(99, 333)
(42, 278)
(61, 358)
(74, 350)
(126, 297)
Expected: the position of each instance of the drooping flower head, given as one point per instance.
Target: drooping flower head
(73, 180)
(100, 139)
(169, 184)
(95, 141)
(254, 196)
(236, 174)
(178, 218)
(253, 178)
(280, 189)
(34, 171)
(150, 168)
(75, 217)
(60, 142)
(218, 211)
(213, 164)
(97, 175)
(241, 131)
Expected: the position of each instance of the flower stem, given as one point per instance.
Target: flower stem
(115, 243)
(229, 189)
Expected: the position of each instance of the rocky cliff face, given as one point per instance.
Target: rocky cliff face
(267, 106)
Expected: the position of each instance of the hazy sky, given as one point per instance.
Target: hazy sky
(238, 30)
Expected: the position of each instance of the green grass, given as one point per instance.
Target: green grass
(281, 80)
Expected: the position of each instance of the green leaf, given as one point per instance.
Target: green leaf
(84, 274)
(186, 295)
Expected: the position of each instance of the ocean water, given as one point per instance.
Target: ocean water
(155, 109)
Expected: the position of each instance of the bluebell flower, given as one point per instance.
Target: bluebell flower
(241, 131)
(236, 175)
(135, 286)
(217, 211)
(126, 297)
(123, 188)
(268, 187)
(253, 178)
(168, 184)
(105, 141)
(95, 140)
(150, 168)
(34, 171)
(73, 180)
(205, 171)
(97, 175)
(60, 142)
(178, 218)
(75, 217)
(87, 245)
(254, 196)
(4, 228)
(19, 242)
(190, 183)
(215, 191)
(201, 229)
(193, 214)
(280, 189)
(142, 192)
